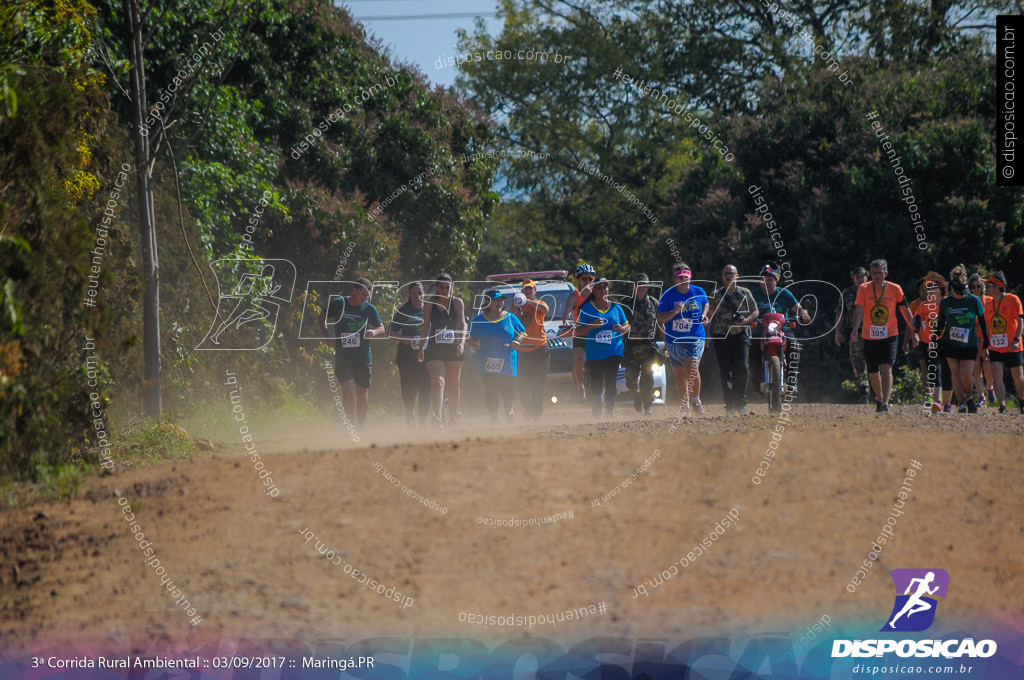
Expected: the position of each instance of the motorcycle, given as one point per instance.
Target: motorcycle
(773, 355)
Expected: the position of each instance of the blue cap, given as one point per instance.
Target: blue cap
(493, 294)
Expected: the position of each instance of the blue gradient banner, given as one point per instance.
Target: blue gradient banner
(770, 655)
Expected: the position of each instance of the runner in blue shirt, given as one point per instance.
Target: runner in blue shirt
(495, 334)
(603, 324)
(684, 312)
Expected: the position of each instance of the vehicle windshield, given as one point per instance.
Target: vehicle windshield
(556, 302)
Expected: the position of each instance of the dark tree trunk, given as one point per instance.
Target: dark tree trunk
(151, 266)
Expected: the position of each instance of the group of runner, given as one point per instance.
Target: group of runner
(962, 334)
(952, 331)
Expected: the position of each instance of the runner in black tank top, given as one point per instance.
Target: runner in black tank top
(444, 330)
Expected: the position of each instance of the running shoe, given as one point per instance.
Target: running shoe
(742, 410)
(730, 409)
(981, 401)
(992, 396)
(962, 408)
(972, 407)
(698, 407)
(948, 408)
(879, 407)
(1022, 409)
(1002, 410)
(886, 408)
(649, 410)
(936, 407)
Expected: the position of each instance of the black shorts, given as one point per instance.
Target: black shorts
(1010, 359)
(579, 343)
(352, 370)
(960, 353)
(878, 352)
(436, 351)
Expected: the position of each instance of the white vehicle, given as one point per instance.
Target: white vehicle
(553, 287)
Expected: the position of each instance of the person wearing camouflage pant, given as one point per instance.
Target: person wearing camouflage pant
(640, 350)
(732, 310)
(844, 317)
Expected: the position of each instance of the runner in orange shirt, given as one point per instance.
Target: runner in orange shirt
(920, 354)
(880, 331)
(982, 370)
(925, 310)
(1005, 319)
(533, 352)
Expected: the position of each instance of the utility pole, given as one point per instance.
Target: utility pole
(147, 219)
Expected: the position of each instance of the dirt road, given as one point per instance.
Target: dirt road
(250, 564)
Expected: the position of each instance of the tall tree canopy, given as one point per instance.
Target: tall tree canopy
(752, 77)
(235, 90)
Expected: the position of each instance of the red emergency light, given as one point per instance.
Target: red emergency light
(523, 276)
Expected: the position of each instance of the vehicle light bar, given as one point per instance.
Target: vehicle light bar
(522, 276)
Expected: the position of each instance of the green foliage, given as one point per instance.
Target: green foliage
(44, 252)
(147, 441)
(60, 482)
(237, 112)
(795, 129)
(907, 387)
(9, 493)
(237, 121)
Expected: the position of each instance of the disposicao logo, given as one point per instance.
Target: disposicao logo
(914, 611)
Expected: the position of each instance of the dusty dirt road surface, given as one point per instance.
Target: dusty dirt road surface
(73, 572)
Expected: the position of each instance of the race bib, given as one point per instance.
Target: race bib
(604, 337)
(682, 325)
(416, 342)
(445, 337)
(494, 365)
(959, 334)
(878, 332)
(1000, 341)
(352, 340)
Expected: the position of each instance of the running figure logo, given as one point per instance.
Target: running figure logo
(914, 610)
(251, 304)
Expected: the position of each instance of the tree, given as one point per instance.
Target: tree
(698, 68)
(55, 116)
(147, 218)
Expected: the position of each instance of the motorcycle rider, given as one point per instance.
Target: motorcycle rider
(770, 298)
